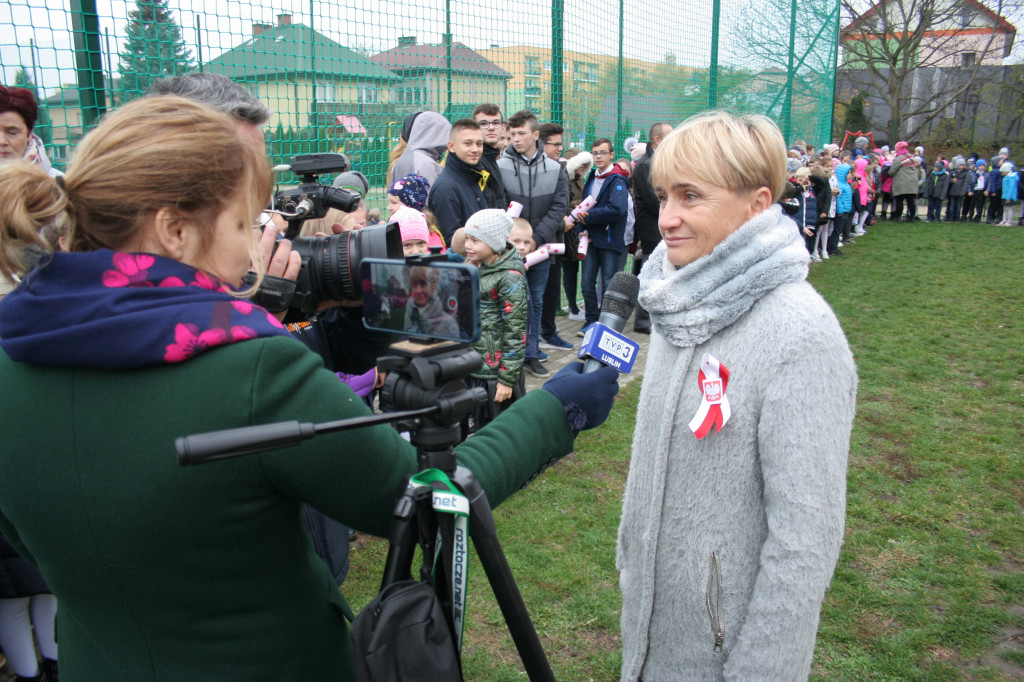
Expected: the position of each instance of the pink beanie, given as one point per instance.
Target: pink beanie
(412, 224)
(901, 148)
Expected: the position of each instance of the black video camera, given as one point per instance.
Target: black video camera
(330, 265)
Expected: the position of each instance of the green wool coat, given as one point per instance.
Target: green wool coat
(165, 572)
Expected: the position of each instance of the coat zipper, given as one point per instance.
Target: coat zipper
(715, 614)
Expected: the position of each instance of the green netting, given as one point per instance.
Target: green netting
(342, 77)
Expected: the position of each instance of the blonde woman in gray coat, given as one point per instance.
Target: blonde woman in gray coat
(734, 507)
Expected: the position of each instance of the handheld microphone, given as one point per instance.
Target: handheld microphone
(616, 307)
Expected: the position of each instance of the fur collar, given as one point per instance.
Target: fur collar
(581, 160)
(688, 305)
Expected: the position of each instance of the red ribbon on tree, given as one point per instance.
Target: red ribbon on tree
(714, 410)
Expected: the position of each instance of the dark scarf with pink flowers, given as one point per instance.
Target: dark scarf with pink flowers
(112, 310)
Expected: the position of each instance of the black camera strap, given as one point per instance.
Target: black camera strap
(275, 293)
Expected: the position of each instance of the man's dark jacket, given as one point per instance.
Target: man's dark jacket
(494, 192)
(606, 221)
(456, 195)
(645, 201)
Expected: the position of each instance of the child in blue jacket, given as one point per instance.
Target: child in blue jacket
(1009, 189)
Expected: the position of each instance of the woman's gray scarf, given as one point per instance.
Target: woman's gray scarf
(688, 305)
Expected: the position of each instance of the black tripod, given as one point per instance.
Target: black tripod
(435, 438)
(427, 384)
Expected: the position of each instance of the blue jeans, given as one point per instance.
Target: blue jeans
(536, 280)
(954, 208)
(605, 260)
(934, 209)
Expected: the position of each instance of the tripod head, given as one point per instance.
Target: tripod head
(421, 375)
(428, 378)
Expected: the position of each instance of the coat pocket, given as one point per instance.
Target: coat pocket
(713, 599)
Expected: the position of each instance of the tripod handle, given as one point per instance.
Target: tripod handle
(208, 447)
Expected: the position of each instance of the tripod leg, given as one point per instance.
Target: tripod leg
(483, 532)
(402, 542)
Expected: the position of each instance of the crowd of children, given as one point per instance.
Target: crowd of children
(834, 195)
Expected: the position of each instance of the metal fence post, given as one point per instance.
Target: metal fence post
(85, 25)
(557, 37)
(787, 107)
(716, 15)
(618, 87)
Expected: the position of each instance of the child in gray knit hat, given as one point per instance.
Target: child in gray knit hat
(503, 313)
(491, 227)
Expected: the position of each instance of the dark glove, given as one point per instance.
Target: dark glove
(586, 398)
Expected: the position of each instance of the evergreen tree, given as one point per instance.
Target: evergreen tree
(22, 79)
(855, 118)
(154, 48)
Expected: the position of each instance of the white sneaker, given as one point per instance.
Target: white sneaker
(577, 317)
(824, 255)
(815, 258)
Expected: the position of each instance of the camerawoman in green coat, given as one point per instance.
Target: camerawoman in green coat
(139, 336)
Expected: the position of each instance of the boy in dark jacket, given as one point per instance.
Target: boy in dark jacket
(503, 312)
(806, 216)
(936, 187)
(959, 185)
(605, 225)
(458, 192)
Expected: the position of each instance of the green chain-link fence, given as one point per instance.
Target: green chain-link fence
(343, 76)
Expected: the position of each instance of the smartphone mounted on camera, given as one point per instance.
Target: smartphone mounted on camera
(422, 298)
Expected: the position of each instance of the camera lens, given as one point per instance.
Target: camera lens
(333, 262)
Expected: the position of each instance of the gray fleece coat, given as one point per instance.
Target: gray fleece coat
(727, 543)
(428, 140)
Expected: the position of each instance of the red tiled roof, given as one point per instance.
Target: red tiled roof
(1002, 25)
(432, 58)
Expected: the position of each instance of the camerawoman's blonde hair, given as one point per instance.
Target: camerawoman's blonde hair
(156, 152)
(739, 153)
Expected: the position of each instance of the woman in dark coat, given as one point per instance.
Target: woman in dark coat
(139, 335)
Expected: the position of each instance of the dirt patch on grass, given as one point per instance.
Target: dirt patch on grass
(589, 641)
(871, 625)
(1007, 656)
(887, 451)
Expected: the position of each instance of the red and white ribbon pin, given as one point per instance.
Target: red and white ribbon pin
(714, 406)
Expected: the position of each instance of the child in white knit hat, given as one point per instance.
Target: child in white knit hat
(503, 312)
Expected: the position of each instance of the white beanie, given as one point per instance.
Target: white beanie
(491, 226)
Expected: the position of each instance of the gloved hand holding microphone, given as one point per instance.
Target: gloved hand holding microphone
(587, 390)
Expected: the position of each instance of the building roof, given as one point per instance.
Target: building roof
(295, 49)
(415, 57)
(1001, 24)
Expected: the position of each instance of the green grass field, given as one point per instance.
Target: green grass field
(930, 583)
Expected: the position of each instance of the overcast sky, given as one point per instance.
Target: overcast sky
(654, 28)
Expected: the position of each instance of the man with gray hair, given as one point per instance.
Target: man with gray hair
(220, 93)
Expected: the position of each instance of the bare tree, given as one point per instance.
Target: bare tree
(789, 50)
(922, 58)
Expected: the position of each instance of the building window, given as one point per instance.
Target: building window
(968, 60)
(409, 95)
(367, 94)
(547, 64)
(532, 66)
(326, 93)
